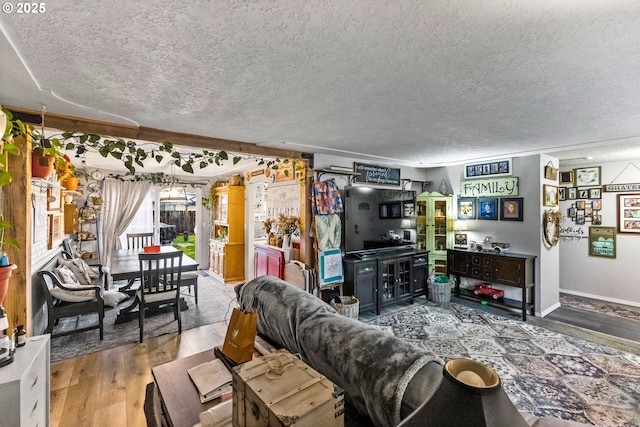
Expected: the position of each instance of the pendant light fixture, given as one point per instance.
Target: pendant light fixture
(174, 192)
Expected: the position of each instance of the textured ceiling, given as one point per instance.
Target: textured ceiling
(416, 83)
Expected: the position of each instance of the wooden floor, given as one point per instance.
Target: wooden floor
(611, 325)
(107, 388)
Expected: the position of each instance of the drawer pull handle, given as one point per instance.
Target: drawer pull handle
(35, 406)
(35, 381)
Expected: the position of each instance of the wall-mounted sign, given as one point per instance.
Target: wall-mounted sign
(618, 188)
(373, 174)
(283, 199)
(492, 187)
(488, 169)
(602, 241)
(252, 174)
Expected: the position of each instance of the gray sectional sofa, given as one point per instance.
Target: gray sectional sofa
(383, 377)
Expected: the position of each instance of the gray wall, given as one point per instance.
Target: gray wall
(610, 279)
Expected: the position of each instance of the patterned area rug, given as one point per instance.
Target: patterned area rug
(213, 303)
(543, 372)
(599, 306)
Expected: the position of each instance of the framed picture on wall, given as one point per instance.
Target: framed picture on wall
(466, 208)
(408, 209)
(511, 209)
(56, 229)
(383, 210)
(395, 210)
(53, 200)
(549, 195)
(566, 177)
(487, 208)
(629, 213)
(587, 177)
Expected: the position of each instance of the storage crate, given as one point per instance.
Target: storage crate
(279, 390)
(348, 306)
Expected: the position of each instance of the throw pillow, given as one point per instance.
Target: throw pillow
(72, 296)
(66, 276)
(84, 273)
(113, 298)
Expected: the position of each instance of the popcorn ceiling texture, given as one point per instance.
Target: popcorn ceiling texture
(414, 82)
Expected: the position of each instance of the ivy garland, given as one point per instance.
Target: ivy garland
(133, 155)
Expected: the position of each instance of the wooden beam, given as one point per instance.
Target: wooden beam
(106, 129)
(17, 210)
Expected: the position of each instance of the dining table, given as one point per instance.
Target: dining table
(125, 265)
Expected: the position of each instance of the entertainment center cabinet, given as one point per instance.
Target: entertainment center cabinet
(387, 276)
(515, 270)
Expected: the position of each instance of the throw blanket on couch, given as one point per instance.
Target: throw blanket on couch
(372, 366)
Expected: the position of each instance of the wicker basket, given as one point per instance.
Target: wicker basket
(348, 306)
(440, 292)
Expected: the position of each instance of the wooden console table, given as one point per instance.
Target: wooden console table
(515, 270)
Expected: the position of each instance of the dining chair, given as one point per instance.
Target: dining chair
(160, 275)
(139, 240)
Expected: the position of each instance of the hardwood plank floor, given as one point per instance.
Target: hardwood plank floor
(107, 388)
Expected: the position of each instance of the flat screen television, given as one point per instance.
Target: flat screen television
(376, 218)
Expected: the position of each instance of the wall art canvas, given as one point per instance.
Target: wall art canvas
(330, 266)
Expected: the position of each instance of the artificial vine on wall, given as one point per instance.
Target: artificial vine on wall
(132, 154)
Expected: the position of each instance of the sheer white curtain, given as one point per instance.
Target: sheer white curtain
(121, 202)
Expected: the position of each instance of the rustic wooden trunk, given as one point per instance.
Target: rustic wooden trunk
(278, 389)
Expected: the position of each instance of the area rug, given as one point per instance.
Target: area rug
(214, 300)
(599, 306)
(543, 372)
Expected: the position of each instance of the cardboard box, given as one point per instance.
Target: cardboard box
(278, 389)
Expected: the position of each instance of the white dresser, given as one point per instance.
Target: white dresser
(24, 386)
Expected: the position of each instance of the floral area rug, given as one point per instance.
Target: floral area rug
(599, 306)
(543, 372)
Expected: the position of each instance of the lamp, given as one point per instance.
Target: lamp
(460, 225)
(470, 394)
(173, 193)
(460, 239)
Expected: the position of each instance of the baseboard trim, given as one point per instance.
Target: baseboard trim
(549, 310)
(600, 297)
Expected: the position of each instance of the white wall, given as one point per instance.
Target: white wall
(616, 279)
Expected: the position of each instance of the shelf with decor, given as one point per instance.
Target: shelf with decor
(226, 246)
(434, 228)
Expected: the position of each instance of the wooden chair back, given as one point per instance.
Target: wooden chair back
(139, 240)
(160, 275)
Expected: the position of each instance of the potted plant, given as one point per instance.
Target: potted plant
(67, 173)
(47, 156)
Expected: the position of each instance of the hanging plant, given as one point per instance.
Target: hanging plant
(10, 129)
(132, 154)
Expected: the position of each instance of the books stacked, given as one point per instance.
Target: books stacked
(212, 379)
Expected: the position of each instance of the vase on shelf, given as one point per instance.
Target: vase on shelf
(286, 241)
(71, 183)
